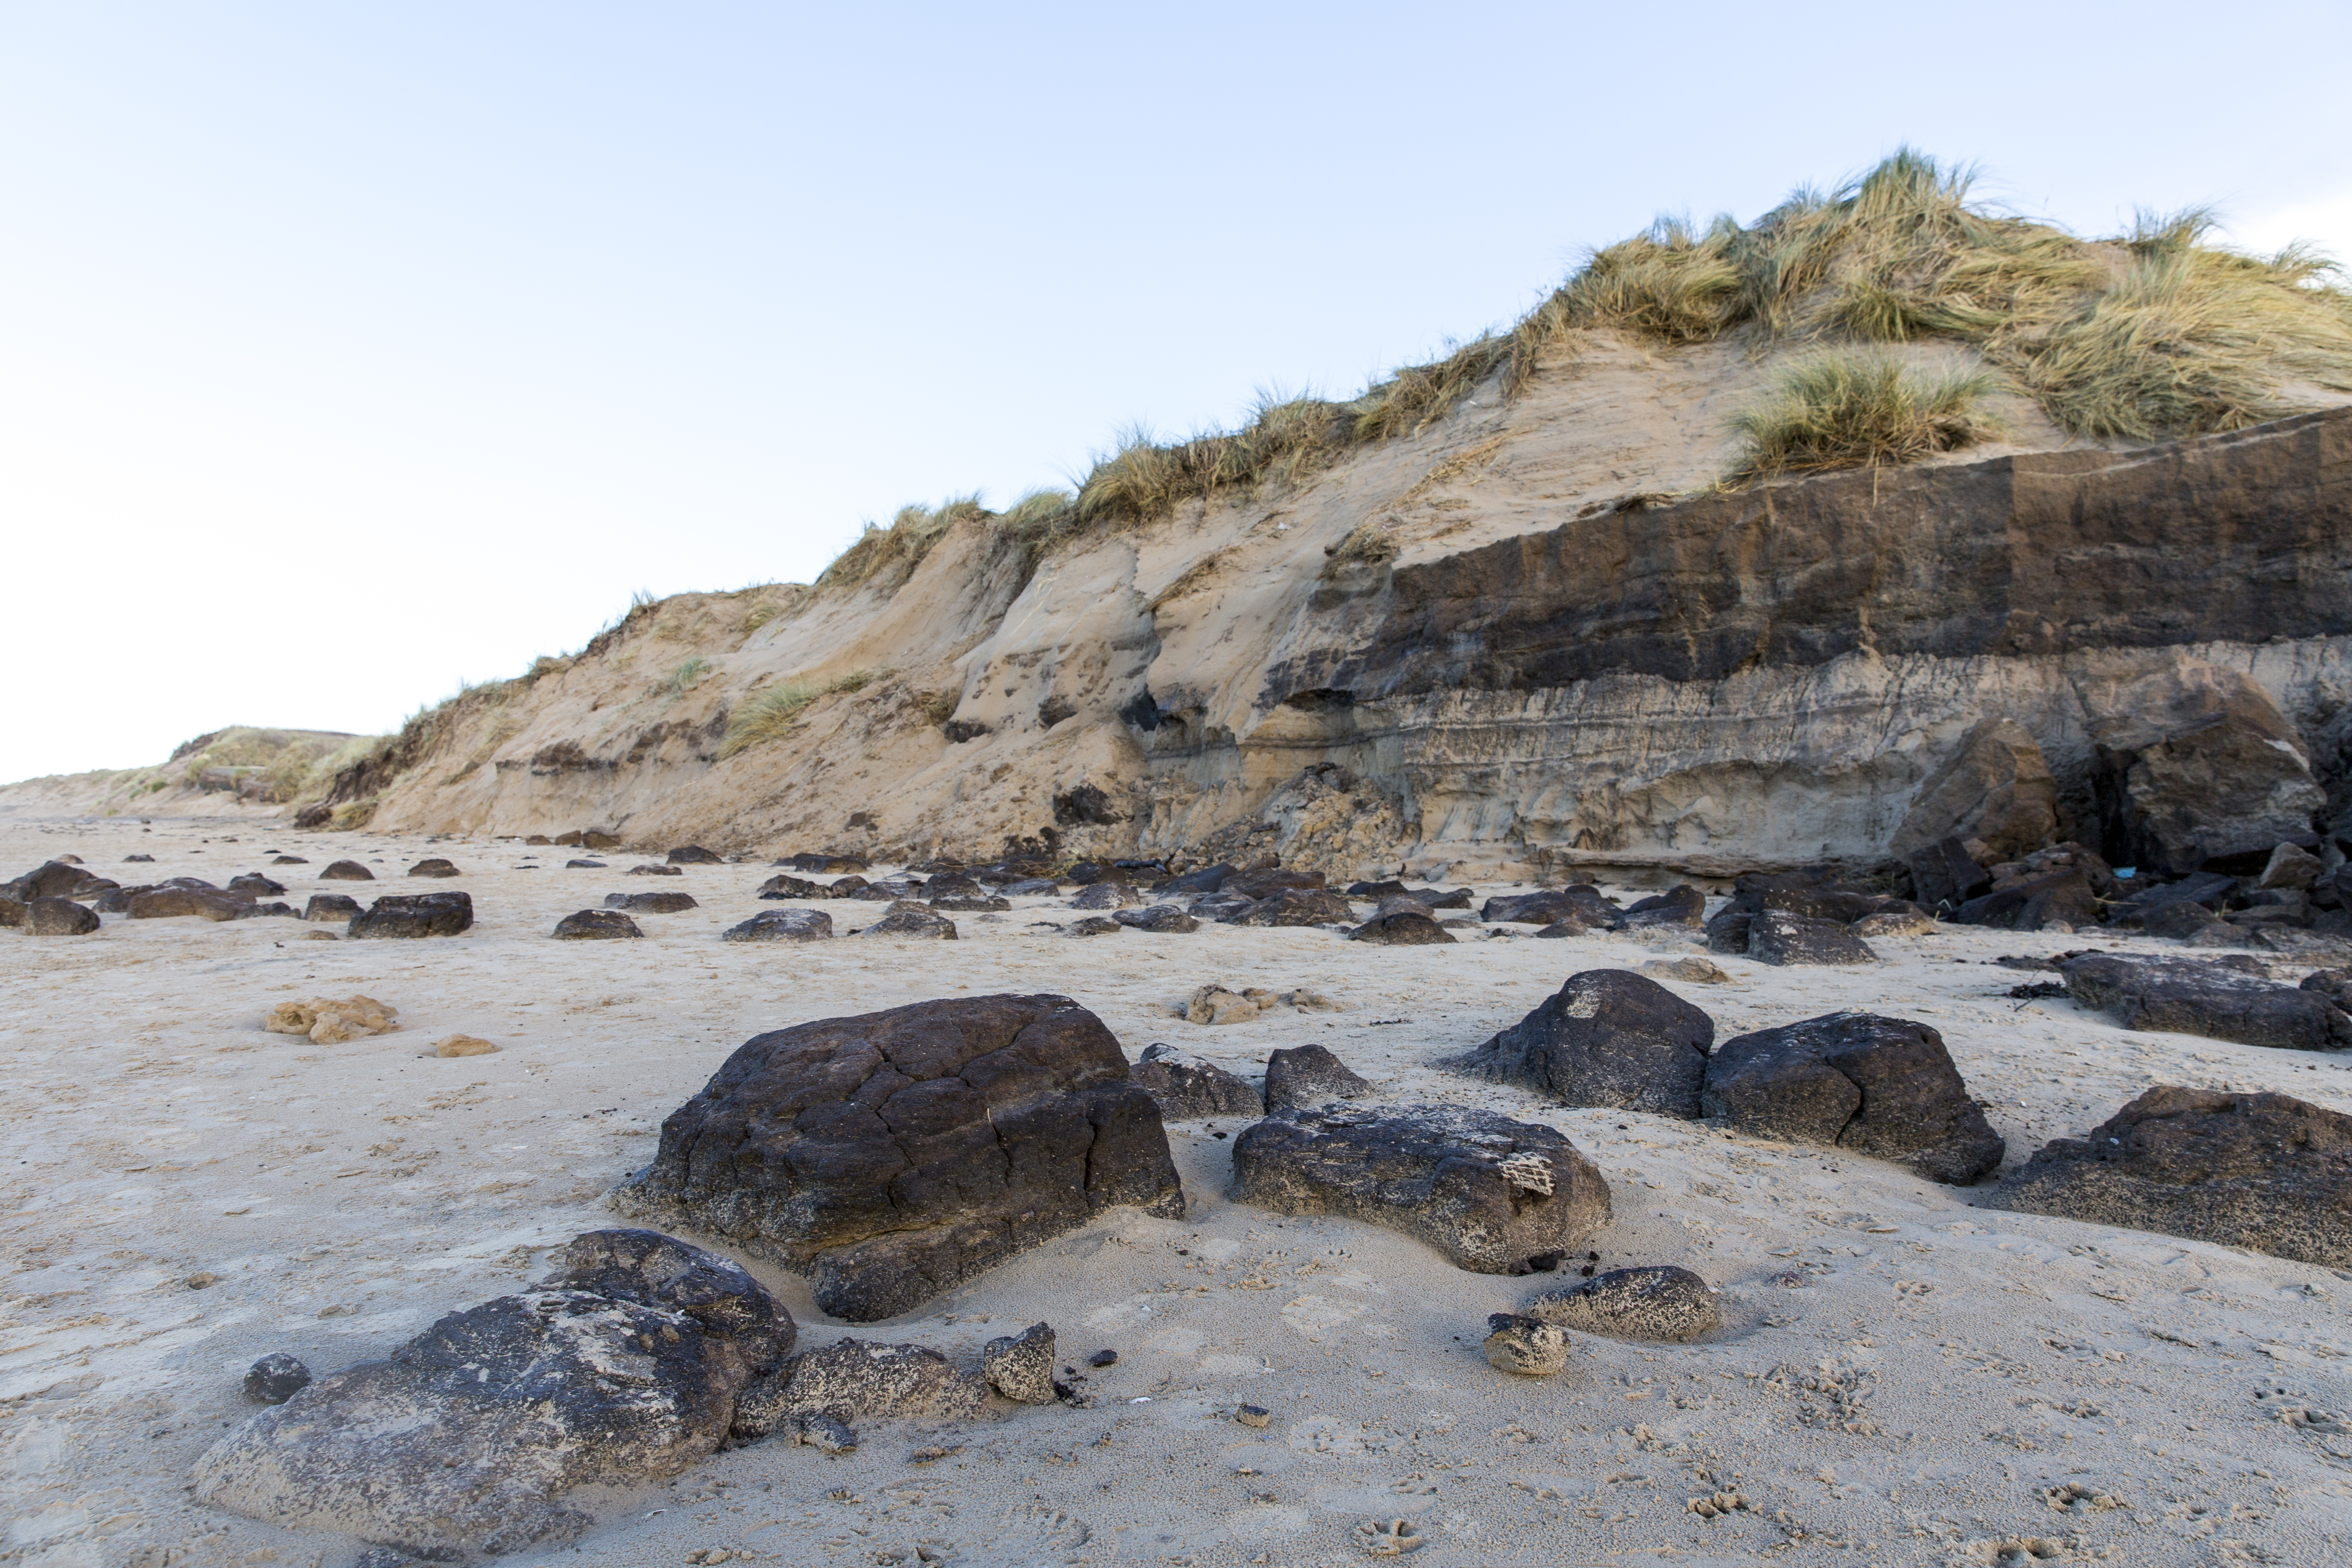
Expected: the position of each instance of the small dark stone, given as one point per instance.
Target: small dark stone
(650, 870)
(1159, 918)
(280, 860)
(970, 905)
(913, 922)
(346, 871)
(584, 865)
(1103, 1358)
(434, 867)
(253, 884)
(652, 903)
(695, 855)
(150, 860)
(1659, 1302)
(781, 925)
(1095, 925)
(275, 1379)
(596, 925)
(415, 915)
(1402, 928)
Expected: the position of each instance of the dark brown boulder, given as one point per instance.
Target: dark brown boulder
(594, 925)
(1496, 1196)
(695, 855)
(60, 917)
(913, 920)
(894, 1154)
(1309, 1074)
(952, 885)
(434, 867)
(1292, 907)
(1944, 876)
(2184, 995)
(1996, 788)
(781, 925)
(1158, 918)
(823, 865)
(1780, 938)
(1402, 928)
(254, 885)
(1207, 879)
(1882, 1087)
(12, 913)
(346, 871)
(331, 907)
(1106, 895)
(1682, 905)
(168, 902)
(784, 885)
(1549, 906)
(650, 870)
(1609, 1037)
(1189, 1088)
(318, 813)
(2059, 898)
(2266, 1171)
(846, 888)
(652, 903)
(415, 915)
(1267, 883)
(657, 1270)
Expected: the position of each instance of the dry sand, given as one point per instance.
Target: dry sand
(1935, 1382)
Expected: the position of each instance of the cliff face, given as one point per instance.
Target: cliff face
(1486, 644)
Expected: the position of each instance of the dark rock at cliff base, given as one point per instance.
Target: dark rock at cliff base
(1944, 876)
(59, 880)
(1386, 889)
(1309, 1074)
(781, 925)
(1608, 1037)
(894, 1154)
(346, 871)
(2183, 996)
(60, 917)
(913, 922)
(1549, 905)
(695, 855)
(596, 925)
(1777, 937)
(465, 1440)
(1028, 887)
(824, 864)
(1491, 1193)
(1996, 788)
(318, 814)
(653, 870)
(857, 1380)
(1207, 879)
(783, 885)
(1658, 1302)
(2266, 1171)
(889, 890)
(1682, 905)
(1402, 928)
(652, 903)
(415, 915)
(966, 905)
(1266, 884)
(1883, 1087)
(2196, 762)
(1294, 907)
(657, 1270)
(2209, 890)
(434, 867)
(1100, 895)
(1189, 1088)
(2059, 898)
(1806, 894)
(1165, 919)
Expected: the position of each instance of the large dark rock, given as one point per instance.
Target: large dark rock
(2183, 996)
(1682, 905)
(657, 1270)
(894, 1154)
(1307, 1076)
(1159, 918)
(1207, 879)
(169, 903)
(1496, 1196)
(1549, 906)
(1944, 876)
(60, 917)
(824, 864)
(465, 1440)
(1106, 895)
(1189, 1088)
(594, 925)
(59, 880)
(254, 885)
(695, 855)
(1292, 907)
(1778, 937)
(783, 885)
(913, 921)
(331, 907)
(1996, 789)
(2196, 762)
(1608, 1037)
(2267, 1172)
(781, 925)
(346, 871)
(1402, 928)
(2209, 890)
(13, 912)
(1883, 1087)
(652, 903)
(415, 915)
(436, 866)
(1264, 884)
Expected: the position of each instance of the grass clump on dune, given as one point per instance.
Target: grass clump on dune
(1848, 409)
(773, 713)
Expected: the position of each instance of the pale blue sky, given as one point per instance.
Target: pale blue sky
(347, 351)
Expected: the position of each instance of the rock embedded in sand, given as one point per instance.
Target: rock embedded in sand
(596, 925)
(331, 907)
(1608, 1037)
(964, 903)
(1402, 928)
(652, 903)
(1021, 1366)
(913, 922)
(1778, 937)
(1095, 925)
(328, 1022)
(1681, 905)
(1189, 1088)
(434, 867)
(1106, 896)
(584, 865)
(1491, 1193)
(654, 871)
(894, 1154)
(1252, 1416)
(2192, 997)
(254, 885)
(60, 917)
(464, 1046)
(1893, 924)
(783, 885)
(1217, 1005)
(1580, 902)
(414, 915)
(1877, 1086)
(1526, 1347)
(1159, 919)
(164, 903)
(2266, 1171)
(1292, 907)
(630, 1264)
(781, 925)
(464, 1439)
(853, 1380)
(1689, 970)
(275, 1379)
(1657, 1302)
(12, 913)
(1307, 1076)
(695, 855)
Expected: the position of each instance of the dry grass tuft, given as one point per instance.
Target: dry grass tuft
(776, 711)
(1845, 409)
(887, 557)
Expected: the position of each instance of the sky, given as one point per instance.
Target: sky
(348, 353)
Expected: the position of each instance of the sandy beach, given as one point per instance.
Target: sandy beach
(1903, 1377)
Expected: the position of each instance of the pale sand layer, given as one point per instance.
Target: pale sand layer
(1970, 1365)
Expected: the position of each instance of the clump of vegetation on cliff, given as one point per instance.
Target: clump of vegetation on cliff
(774, 713)
(1843, 409)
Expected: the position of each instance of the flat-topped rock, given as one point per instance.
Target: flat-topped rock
(2192, 996)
